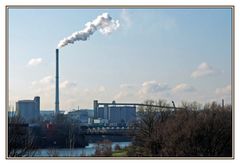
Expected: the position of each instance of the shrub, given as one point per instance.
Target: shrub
(104, 148)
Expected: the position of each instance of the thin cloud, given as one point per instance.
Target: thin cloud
(183, 88)
(47, 83)
(66, 84)
(101, 89)
(127, 86)
(126, 91)
(121, 95)
(47, 80)
(125, 18)
(86, 90)
(44, 86)
(152, 87)
(168, 24)
(223, 91)
(34, 61)
(203, 70)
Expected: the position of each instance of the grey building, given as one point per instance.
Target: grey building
(114, 112)
(119, 114)
(47, 115)
(80, 116)
(29, 110)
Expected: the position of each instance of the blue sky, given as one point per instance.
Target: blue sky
(172, 54)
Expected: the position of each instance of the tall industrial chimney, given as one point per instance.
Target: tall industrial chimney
(57, 84)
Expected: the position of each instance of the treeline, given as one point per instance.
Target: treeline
(24, 140)
(194, 131)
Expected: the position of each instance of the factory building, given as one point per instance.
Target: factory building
(80, 116)
(47, 115)
(103, 112)
(114, 113)
(29, 110)
(122, 114)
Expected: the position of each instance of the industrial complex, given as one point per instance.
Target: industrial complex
(102, 114)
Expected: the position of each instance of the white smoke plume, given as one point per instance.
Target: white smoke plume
(104, 23)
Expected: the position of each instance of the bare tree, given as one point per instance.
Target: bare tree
(148, 137)
(187, 132)
(194, 106)
(21, 141)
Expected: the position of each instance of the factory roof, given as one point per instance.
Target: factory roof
(25, 101)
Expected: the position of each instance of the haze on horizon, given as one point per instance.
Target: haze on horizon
(171, 54)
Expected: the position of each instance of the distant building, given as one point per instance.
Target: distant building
(47, 115)
(29, 110)
(114, 113)
(89, 112)
(122, 114)
(81, 116)
(99, 113)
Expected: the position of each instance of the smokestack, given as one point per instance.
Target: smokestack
(57, 84)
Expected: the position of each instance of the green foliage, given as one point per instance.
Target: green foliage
(120, 153)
